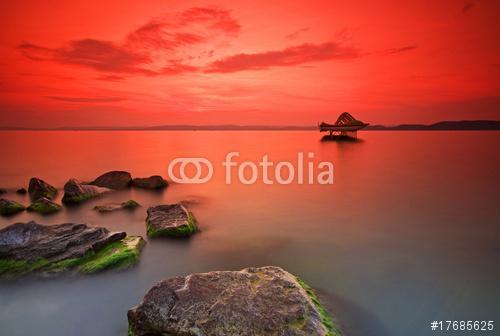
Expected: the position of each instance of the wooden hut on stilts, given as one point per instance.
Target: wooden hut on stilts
(345, 126)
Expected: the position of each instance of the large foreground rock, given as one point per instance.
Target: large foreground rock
(38, 188)
(32, 247)
(8, 207)
(265, 301)
(113, 180)
(170, 220)
(76, 192)
(154, 182)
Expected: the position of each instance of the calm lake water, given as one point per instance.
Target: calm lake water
(408, 233)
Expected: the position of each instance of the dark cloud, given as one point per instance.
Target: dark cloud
(158, 39)
(102, 56)
(400, 50)
(214, 17)
(297, 33)
(35, 52)
(295, 55)
(112, 78)
(87, 99)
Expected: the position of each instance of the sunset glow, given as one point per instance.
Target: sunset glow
(146, 63)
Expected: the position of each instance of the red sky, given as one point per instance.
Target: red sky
(140, 63)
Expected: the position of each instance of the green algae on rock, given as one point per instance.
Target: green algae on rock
(9, 207)
(77, 192)
(253, 301)
(44, 206)
(32, 248)
(170, 220)
(38, 188)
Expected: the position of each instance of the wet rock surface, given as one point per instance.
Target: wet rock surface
(113, 180)
(254, 301)
(170, 220)
(128, 205)
(31, 247)
(45, 206)
(21, 191)
(77, 192)
(9, 207)
(154, 182)
(38, 188)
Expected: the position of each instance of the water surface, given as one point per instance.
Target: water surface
(408, 233)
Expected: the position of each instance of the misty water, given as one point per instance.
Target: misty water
(408, 232)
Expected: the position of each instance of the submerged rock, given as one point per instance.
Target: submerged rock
(45, 249)
(113, 180)
(21, 191)
(170, 220)
(76, 192)
(128, 205)
(38, 188)
(45, 206)
(152, 182)
(8, 207)
(254, 301)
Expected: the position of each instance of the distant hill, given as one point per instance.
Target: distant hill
(463, 125)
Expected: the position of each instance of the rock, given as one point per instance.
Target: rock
(3, 191)
(76, 192)
(254, 301)
(152, 182)
(128, 205)
(39, 188)
(47, 249)
(8, 207)
(113, 180)
(170, 220)
(21, 191)
(45, 206)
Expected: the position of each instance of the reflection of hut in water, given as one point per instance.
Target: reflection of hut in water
(345, 127)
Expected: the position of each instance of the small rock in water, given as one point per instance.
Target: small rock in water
(3, 191)
(9, 207)
(170, 220)
(49, 249)
(152, 182)
(128, 205)
(113, 180)
(38, 188)
(21, 191)
(254, 301)
(45, 206)
(76, 192)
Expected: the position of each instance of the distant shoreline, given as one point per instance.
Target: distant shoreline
(463, 125)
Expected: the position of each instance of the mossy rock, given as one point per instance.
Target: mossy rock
(9, 207)
(38, 188)
(326, 319)
(118, 256)
(76, 192)
(44, 206)
(70, 247)
(254, 301)
(130, 204)
(170, 220)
